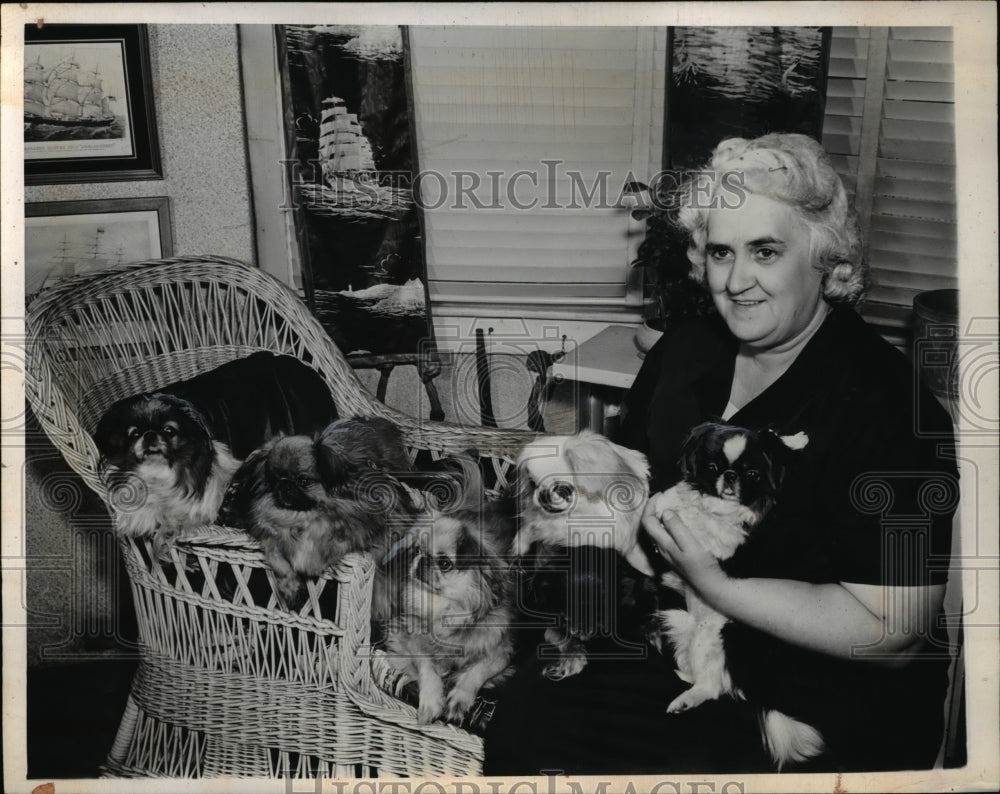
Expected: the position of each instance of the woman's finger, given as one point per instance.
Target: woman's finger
(657, 530)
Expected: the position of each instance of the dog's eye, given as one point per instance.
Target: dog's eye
(169, 431)
(713, 468)
(563, 490)
(751, 475)
(444, 564)
(303, 482)
(133, 432)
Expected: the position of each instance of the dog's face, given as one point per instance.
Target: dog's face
(157, 433)
(737, 464)
(580, 490)
(344, 462)
(456, 572)
(293, 476)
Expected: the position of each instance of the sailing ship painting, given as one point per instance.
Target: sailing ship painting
(347, 98)
(74, 93)
(58, 247)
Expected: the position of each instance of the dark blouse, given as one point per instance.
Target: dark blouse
(869, 500)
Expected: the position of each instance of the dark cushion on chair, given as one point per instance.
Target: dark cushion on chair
(250, 400)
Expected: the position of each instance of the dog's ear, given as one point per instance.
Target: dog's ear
(468, 549)
(689, 449)
(110, 436)
(468, 484)
(330, 466)
(389, 448)
(635, 462)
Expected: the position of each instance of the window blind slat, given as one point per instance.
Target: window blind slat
(838, 143)
(902, 51)
(936, 249)
(907, 228)
(845, 88)
(526, 96)
(498, 113)
(847, 67)
(927, 72)
(605, 134)
(518, 39)
(903, 169)
(918, 150)
(920, 91)
(919, 111)
(844, 106)
(496, 58)
(610, 295)
(550, 267)
(930, 131)
(921, 34)
(919, 190)
(911, 208)
(580, 221)
(906, 278)
(565, 84)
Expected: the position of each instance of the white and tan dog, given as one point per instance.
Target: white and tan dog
(576, 491)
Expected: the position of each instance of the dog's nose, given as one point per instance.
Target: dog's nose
(729, 476)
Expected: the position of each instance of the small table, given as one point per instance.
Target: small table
(605, 367)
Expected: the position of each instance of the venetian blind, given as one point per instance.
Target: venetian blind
(517, 130)
(890, 129)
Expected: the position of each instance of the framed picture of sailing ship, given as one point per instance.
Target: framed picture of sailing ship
(67, 238)
(88, 105)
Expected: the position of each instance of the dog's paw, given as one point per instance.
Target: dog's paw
(688, 700)
(567, 666)
(291, 593)
(430, 708)
(458, 705)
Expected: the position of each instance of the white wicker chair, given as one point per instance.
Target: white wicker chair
(227, 685)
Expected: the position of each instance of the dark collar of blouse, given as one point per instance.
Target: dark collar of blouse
(811, 372)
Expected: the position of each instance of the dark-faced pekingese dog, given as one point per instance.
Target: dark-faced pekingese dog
(310, 500)
(453, 633)
(732, 476)
(163, 471)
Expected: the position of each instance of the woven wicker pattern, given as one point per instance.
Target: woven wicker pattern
(228, 683)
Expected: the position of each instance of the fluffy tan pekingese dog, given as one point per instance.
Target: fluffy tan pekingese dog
(452, 633)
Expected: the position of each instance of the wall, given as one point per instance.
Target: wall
(199, 113)
(73, 587)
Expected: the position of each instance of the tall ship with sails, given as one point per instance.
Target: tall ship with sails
(65, 95)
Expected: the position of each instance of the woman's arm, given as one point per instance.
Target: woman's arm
(848, 621)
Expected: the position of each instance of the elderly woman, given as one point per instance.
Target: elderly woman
(835, 598)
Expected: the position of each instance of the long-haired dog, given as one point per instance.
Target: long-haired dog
(453, 631)
(310, 500)
(163, 471)
(580, 503)
(731, 478)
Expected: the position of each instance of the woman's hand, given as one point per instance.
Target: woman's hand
(680, 547)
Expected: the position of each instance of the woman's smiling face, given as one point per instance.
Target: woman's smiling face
(760, 272)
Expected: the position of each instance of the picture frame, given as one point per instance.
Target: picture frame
(66, 238)
(88, 105)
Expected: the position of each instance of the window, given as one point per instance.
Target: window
(534, 132)
(890, 129)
